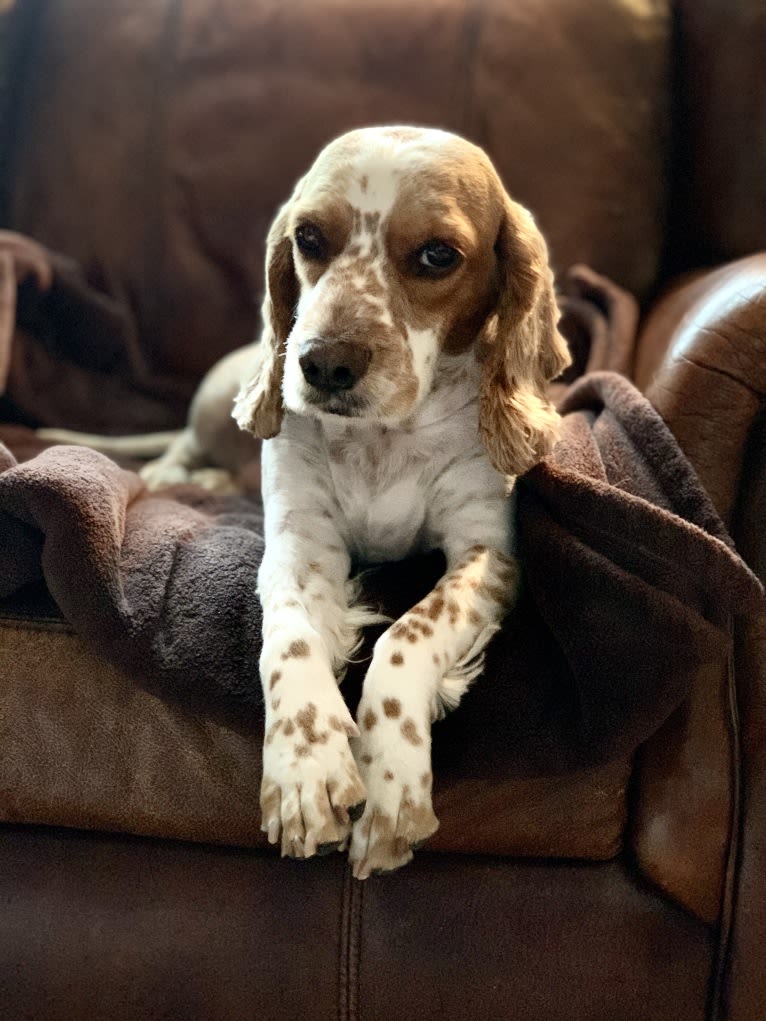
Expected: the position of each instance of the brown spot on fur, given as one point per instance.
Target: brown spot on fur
(297, 650)
(388, 775)
(454, 612)
(474, 616)
(273, 729)
(371, 222)
(436, 607)
(412, 636)
(314, 566)
(302, 750)
(367, 760)
(399, 630)
(392, 707)
(276, 704)
(397, 659)
(425, 780)
(436, 658)
(336, 724)
(370, 719)
(274, 678)
(410, 732)
(289, 728)
(422, 627)
(306, 719)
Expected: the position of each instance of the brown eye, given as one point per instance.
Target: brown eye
(311, 241)
(437, 257)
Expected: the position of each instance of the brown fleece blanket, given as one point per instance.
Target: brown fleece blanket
(631, 584)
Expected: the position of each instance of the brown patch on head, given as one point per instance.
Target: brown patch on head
(392, 707)
(289, 728)
(397, 659)
(302, 750)
(369, 720)
(410, 732)
(297, 650)
(275, 677)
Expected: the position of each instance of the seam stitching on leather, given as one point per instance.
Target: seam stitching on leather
(717, 1007)
(343, 962)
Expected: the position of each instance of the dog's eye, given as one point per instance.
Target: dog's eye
(436, 257)
(311, 241)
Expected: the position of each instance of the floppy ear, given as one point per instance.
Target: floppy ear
(258, 406)
(521, 350)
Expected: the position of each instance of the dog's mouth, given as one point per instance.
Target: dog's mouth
(344, 405)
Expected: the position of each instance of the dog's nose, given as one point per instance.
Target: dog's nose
(333, 365)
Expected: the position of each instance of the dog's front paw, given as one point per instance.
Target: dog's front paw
(311, 790)
(394, 757)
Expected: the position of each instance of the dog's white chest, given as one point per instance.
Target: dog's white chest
(380, 480)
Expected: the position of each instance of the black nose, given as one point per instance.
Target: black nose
(333, 365)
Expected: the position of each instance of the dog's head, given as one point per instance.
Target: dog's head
(399, 245)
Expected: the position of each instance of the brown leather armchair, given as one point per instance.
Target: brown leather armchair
(151, 142)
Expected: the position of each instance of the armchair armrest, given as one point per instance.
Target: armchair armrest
(701, 361)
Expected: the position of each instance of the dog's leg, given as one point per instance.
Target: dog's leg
(311, 788)
(410, 679)
(182, 456)
(212, 449)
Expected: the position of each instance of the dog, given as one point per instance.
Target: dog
(399, 388)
